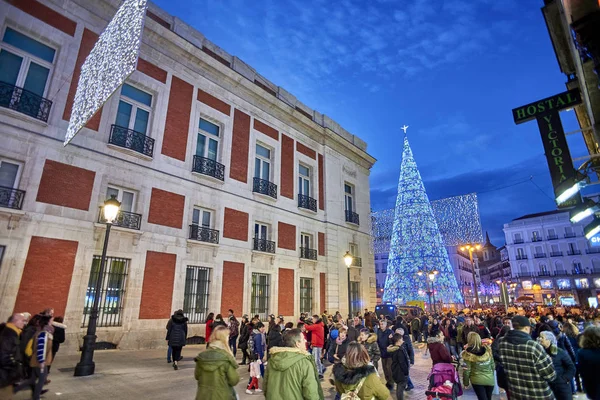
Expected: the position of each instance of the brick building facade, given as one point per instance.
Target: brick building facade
(234, 194)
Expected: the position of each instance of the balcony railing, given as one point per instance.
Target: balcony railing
(593, 250)
(544, 273)
(552, 237)
(203, 234)
(307, 202)
(540, 255)
(574, 252)
(352, 217)
(24, 101)
(578, 272)
(356, 262)
(124, 219)
(536, 239)
(570, 235)
(519, 241)
(11, 198)
(309, 254)
(132, 140)
(206, 166)
(264, 245)
(521, 257)
(265, 187)
(556, 254)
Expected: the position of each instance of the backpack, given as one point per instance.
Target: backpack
(353, 394)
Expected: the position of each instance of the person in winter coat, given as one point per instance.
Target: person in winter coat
(425, 327)
(434, 328)
(58, 336)
(355, 374)
(562, 341)
(400, 364)
(500, 374)
(469, 327)
(218, 322)
(383, 340)
(42, 354)
(369, 340)
(407, 344)
(245, 332)
(483, 331)
(177, 335)
(479, 367)
(259, 344)
(234, 332)
(340, 345)
(563, 366)
(209, 321)
(571, 331)
(216, 368)
(10, 355)
(415, 329)
(317, 331)
(437, 350)
(589, 360)
(274, 338)
(291, 373)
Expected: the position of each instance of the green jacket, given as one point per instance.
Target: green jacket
(348, 379)
(291, 374)
(216, 373)
(479, 367)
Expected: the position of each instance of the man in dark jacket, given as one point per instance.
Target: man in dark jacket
(400, 364)
(415, 329)
(234, 332)
(354, 331)
(383, 340)
(10, 355)
(410, 352)
(468, 328)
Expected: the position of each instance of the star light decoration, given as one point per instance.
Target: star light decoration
(111, 61)
(416, 243)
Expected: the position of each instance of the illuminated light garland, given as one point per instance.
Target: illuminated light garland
(416, 243)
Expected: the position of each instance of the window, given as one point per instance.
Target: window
(261, 231)
(10, 173)
(523, 269)
(551, 233)
(560, 269)
(306, 295)
(262, 163)
(349, 197)
(355, 306)
(569, 232)
(305, 240)
(111, 296)
(520, 254)
(207, 145)
(134, 109)
(555, 249)
(384, 267)
(196, 292)
(262, 234)
(201, 228)
(535, 236)
(376, 268)
(125, 196)
(304, 180)
(538, 251)
(543, 269)
(577, 267)
(202, 217)
(260, 296)
(595, 265)
(306, 249)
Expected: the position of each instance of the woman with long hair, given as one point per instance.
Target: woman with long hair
(479, 367)
(245, 331)
(589, 360)
(209, 321)
(354, 374)
(216, 368)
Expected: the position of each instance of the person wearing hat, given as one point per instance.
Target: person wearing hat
(563, 366)
(528, 368)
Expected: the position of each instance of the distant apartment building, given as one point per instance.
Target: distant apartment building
(233, 193)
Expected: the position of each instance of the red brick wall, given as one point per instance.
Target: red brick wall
(286, 236)
(322, 290)
(235, 225)
(158, 19)
(240, 146)
(213, 102)
(88, 40)
(166, 208)
(47, 275)
(46, 14)
(285, 297)
(287, 166)
(306, 150)
(232, 291)
(321, 183)
(157, 288)
(152, 70)
(266, 129)
(321, 244)
(66, 185)
(177, 122)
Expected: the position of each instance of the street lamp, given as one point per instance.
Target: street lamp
(86, 364)
(471, 248)
(348, 259)
(430, 277)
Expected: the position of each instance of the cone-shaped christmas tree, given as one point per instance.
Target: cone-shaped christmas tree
(416, 244)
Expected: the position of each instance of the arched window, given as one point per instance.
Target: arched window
(560, 268)
(596, 265)
(523, 268)
(577, 269)
(543, 269)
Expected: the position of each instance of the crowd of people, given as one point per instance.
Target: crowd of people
(28, 345)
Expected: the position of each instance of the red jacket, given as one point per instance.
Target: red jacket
(208, 329)
(318, 334)
(439, 353)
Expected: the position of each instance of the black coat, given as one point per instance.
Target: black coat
(565, 371)
(58, 338)
(10, 357)
(245, 332)
(589, 360)
(274, 338)
(400, 364)
(177, 333)
(409, 348)
(383, 340)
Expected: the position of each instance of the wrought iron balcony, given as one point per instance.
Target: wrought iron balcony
(593, 250)
(574, 252)
(545, 273)
(519, 241)
(536, 239)
(352, 217)
(521, 257)
(307, 202)
(203, 234)
(24, 101)
(356, 262)
(570, 235)
(132, 140)
(552, 237)
(264, 245)
(11, 198)
(206, 166)
(265, 187)
(309, 254)
(556, 254)
(124, 219)
(540, 255)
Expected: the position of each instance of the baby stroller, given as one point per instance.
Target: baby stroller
(443, 382)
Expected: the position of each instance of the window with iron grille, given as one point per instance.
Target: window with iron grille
(355, 305)
(112, 292)
(306, 295)
(195, 296)
(261, 295)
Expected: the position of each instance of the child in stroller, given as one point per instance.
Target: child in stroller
(444, 382)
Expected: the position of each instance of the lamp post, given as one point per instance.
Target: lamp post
(430, 276)
(471, 248)
(348, 259)
(86, 364)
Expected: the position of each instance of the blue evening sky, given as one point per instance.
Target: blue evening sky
(450, 69)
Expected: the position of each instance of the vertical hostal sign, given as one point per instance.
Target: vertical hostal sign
(546, 111)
